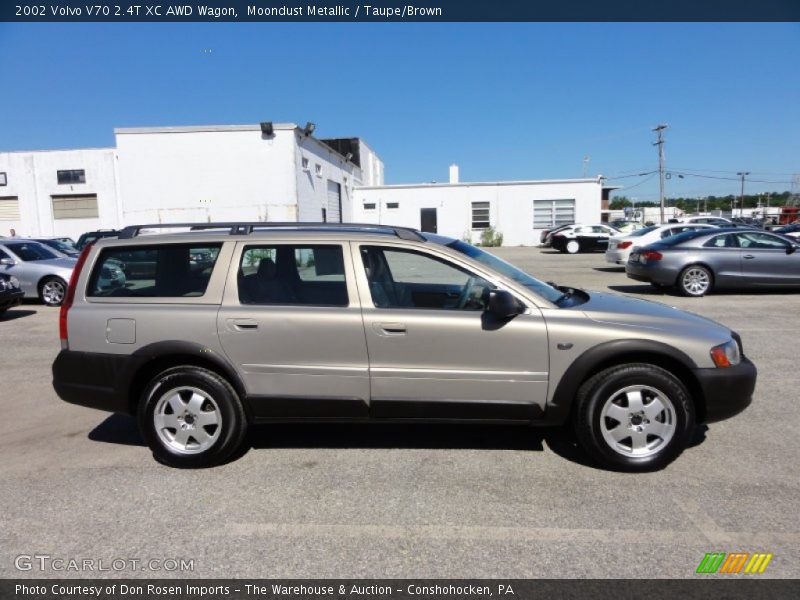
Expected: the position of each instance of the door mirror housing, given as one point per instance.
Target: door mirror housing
(502, 304)
(792, 249)
(7, 261)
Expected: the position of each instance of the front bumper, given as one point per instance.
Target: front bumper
(726, 392)
(11, 299)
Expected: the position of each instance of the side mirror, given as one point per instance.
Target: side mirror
(502, 304)
(791, 249)
(7, 261)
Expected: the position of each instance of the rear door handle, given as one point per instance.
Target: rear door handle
(748, 256)
(242, 324)
(391, 328)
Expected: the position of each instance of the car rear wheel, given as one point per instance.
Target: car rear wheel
(695, 281)
(636, 417)
(52, 291)
(191, 417)
(573, 247)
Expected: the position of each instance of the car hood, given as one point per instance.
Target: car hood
(624, 310)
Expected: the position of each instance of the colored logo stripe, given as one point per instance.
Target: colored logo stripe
(734, 562)
(758, 563)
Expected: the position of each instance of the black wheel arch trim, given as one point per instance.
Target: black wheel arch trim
(154, 358)
(607, 354)
(114, 382)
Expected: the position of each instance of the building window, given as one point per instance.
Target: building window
(369, 206)
(9, 208)
(3, 179)
(553, 213)
(480, 215)
(73, 176)
(318, 169)
(305, 163)
(392, 205)
(75, 207)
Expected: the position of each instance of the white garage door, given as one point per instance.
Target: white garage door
(334, 202)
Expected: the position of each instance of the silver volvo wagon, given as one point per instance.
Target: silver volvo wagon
(230, 324)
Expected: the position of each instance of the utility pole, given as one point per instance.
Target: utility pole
(585, 166)
(741, 174)
(660, 143)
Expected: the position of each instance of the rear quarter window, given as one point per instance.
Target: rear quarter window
(158, 271)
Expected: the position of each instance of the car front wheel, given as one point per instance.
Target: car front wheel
(191, 417)
(636, 417)
(52, 291)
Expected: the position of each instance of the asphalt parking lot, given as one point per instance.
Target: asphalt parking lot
(406, 501)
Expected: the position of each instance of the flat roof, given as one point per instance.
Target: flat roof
(478, 183)
(200, 128)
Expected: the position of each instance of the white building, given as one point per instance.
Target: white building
(274, 172)
(266, 172)
(239, 172)
(519, 210)
(58, 193)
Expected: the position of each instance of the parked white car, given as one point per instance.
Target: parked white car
(708, 220)
(619, 248)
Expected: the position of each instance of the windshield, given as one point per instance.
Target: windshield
(490, 260)
(31, 251)
(60, 246)
(645, 231)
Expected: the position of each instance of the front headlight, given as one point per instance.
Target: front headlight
(726, 355)
(14, 282)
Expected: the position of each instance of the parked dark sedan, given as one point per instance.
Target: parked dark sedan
(10, 294)
(698, 261)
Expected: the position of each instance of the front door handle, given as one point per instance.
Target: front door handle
(748, 256)
(242, 324)
(391, 328)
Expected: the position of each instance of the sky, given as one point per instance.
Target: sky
(503, 101)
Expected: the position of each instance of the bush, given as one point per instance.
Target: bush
(491, 237)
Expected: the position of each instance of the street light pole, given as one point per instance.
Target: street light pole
(741, 174)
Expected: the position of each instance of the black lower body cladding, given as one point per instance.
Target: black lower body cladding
(727, 392)
(98, 381)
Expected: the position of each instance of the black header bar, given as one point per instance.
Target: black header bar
(155, 11)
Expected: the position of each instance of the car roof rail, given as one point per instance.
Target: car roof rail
(248, 227)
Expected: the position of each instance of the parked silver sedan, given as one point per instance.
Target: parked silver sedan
(42, 272)
(698, 261)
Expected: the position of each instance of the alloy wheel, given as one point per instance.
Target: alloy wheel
(696, 281)
(638, 421)
(187, 420)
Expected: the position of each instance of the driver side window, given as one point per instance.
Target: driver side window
(407, 279)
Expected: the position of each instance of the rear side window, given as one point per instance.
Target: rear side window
(721, 241)
(163, 271)
(293, 275)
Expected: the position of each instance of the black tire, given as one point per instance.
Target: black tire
(701, 272)
(594, 394)
(232, 426)
(52, 290)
